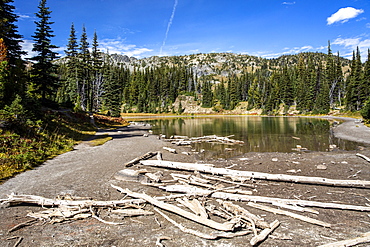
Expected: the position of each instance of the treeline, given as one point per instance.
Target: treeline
(88, 80)
(315, 83)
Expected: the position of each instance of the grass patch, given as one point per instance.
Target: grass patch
(27, 144)
(100, 140)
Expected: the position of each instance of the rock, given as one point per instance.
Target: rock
(274, 159)
(321, 167)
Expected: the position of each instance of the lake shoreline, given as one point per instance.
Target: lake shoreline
(89, 172)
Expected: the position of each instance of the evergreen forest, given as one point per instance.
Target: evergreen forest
(88, 80)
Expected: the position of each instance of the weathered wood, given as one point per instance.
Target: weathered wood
(227, 181)
(264, 234)
(142, 157)
(247, 198)
(255, 175)
(350, 242)
(363, 156)
(131, 212)
(156, 177)
(43, 201)
(203, 235)
(21, 225)
(290, 214)
(187, 189)
(295, 208)
(185, 140)
(47, 202)
(171, 150)
(192, 190)
(237, 210)
(194, 205)
(227, 226)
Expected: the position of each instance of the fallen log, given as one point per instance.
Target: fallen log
(264, 234)
(192, 190)
(255, 175)
(203, 235)
(350, 242)
(21, 225)
(290, 214)
(171, 150)
(227, 181)
(272, 200)
(363, 156)
(131, 212)
(142, 157)
(227, 226)
(47, 202)
(295, 208)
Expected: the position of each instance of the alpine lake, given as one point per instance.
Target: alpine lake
(259, 134)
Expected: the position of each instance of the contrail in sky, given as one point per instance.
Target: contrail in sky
(169, 26)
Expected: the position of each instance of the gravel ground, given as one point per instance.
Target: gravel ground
(89, 171)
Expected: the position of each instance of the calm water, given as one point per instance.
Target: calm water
(260, 134)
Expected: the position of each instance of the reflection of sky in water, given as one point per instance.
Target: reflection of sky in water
(260, 134)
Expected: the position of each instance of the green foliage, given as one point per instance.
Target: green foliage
(365, 111)
(100, 140)
(207, 100)
(43, 72)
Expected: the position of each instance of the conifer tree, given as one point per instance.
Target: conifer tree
(301, 88)
(322, 105)
(43, 73)
(355, 97)
(67, 93)
(286, 87)
(83, 86)
(97, 78)
(3, 69)
(366, 79)
(112, 95)
(207, 100)
(13, 80)
(339, 92)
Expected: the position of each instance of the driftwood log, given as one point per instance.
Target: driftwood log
(350, 242)
(142, 157)
(272, 200)
(192, 190)
(227, 226)
(290, 214)
(264, 234)
(255, 175)
(48, 202)
(363, 156)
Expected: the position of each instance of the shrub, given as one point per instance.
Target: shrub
(365, 111)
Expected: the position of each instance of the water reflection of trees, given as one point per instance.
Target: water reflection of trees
(260, 134)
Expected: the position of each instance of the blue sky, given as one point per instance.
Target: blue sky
(265, 28)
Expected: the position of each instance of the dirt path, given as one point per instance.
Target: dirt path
(88, 171)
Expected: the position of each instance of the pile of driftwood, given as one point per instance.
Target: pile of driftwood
(185, 140)
(204, 195)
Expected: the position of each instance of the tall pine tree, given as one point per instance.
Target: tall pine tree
(43, 73)
(13, 80)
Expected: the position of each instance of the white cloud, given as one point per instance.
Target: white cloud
(117, 46)
(351, 44)
(343, 15)
(288, 3)
(27, 46)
